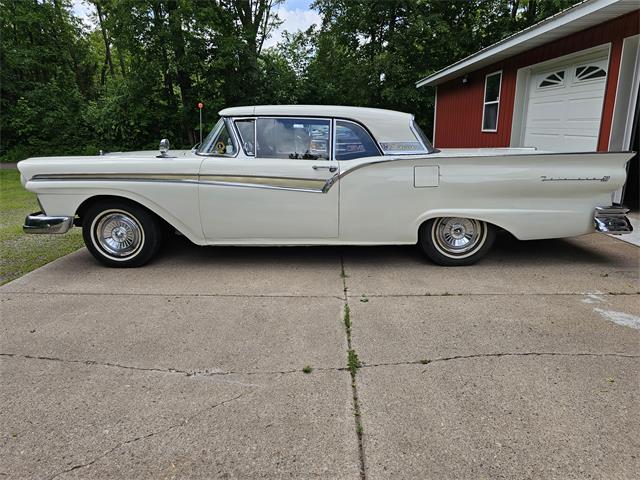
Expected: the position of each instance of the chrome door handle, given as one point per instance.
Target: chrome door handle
(331, 168)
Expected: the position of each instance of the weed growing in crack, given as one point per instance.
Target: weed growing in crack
(353, 362)
(347, 319)
(353, 365)
(425, 361)
(307, 369)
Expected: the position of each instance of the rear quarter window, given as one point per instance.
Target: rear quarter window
(352, 141)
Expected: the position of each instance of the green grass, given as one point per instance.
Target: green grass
(20, 253)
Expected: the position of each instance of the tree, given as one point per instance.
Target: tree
(137, 75)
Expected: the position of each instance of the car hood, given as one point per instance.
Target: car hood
(148, 154)
(148, 161)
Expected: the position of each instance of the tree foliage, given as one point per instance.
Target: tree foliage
(137, 73)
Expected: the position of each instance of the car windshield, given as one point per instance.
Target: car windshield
(219, 141)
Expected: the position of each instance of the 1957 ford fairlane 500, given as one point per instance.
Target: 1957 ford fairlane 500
(323, 175)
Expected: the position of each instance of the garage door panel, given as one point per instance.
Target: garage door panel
(591, 107)
(547, 111)
(580, 143)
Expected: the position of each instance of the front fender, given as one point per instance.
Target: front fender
(181, 211)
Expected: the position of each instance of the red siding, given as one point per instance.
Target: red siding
(459, 106)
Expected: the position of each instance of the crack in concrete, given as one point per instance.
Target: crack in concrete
(173, 295)
(429, 361)
(337, 297)
(186, 373)
(214, 373)
(353, 369)
(489, 294)
(144, 437)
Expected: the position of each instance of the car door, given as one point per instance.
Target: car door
(266, 180)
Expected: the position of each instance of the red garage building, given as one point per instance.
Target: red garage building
(567, 84)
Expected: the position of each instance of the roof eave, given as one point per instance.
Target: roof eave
(465, 65)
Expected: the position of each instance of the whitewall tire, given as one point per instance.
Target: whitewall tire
(121, 233)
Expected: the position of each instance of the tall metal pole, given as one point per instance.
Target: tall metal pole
(200, 109)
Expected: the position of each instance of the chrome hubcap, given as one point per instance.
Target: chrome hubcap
(119, 234)
(458, 236)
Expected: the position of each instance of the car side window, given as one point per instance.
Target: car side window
(246, 131)
(292, 138)
(352, 141)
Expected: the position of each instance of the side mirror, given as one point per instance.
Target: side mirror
(164, 148)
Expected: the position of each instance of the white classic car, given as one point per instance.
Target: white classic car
(323, 175)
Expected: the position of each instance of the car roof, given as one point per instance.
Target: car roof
(385, 125)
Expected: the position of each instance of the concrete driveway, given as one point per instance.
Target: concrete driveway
(524, 366)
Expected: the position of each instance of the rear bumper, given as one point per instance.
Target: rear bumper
(612, 220)
(40, 223)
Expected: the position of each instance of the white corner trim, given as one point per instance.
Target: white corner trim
(520, 104)
(435, 119)
(624, 107)
(626, 94)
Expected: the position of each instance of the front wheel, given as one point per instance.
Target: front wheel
(121, 234)
(453, 241)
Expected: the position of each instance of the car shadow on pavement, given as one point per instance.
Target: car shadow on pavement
(507, 250)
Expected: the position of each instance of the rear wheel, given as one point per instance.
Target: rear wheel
(454, 241)
(121, 234)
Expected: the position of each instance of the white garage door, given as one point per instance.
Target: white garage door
(564, 107)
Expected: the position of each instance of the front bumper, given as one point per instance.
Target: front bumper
(40, 223)
(612, 220)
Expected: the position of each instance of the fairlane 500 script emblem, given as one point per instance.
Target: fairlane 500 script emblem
(577, 179)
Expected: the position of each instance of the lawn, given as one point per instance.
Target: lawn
(20, 253)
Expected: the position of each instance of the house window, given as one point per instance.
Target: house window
(491, 102)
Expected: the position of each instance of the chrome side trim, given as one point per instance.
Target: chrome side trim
(280, 183)
(130, 177)
(261, 181)
(612, 220)
(38, 222)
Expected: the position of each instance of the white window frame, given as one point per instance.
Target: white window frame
(497, 101)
